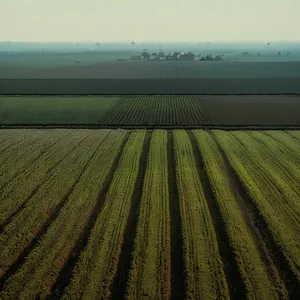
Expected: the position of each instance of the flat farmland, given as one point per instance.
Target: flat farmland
(54, 110)
(153, 77)
(164, 69)
(151, 111)
(149, 214)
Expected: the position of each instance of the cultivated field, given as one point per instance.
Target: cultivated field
(141, 214)
(54, 110)
(163, 69)
(151, 111)
(152, 77)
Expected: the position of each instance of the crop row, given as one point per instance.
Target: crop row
(23, 157)
(272, 195)
(261, 280)
(55, 248)
(157, 110)
(13, 144)
(86, 204)
(150, 272)
(205, 278)
(94, 274)
(38, 209)
(30, 181)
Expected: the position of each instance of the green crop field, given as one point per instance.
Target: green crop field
(149, 214)
(54, 110)
(156, 111)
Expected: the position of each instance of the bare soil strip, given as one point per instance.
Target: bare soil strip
(119, 284)
(177, 263)
(67, 271)
(235, 283)
(264, 238)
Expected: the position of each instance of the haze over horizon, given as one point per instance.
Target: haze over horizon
(120, 20)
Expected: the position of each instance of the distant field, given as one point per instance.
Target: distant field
(54, 110)
(151, 111)
(137, 214)
(157, 111)
(152, 77)
(16, 64)
(164, 69)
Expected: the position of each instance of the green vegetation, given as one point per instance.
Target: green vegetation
(157, 110)
(55, 247)
(96, 269)
(54, 110)
(205, 278)
(150, 273)
(259, 275)
(90, 214)
(270, 196)
(43, 202)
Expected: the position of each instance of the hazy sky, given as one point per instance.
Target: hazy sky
(168, 20)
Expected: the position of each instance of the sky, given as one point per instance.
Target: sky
(155, 20)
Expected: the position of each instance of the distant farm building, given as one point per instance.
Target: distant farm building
(134, 57)
(186, 56)
(153, 56)
(176, 56)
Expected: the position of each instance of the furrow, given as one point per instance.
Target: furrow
(15, 164)
(204, 269)
(269, 250)
(20, 232)
(234, 279)
(16, 196)
(96, 269)
(150, 268)
(48, 267)
(121, 278)
(268, 200)
(259, 275)
(177, 267)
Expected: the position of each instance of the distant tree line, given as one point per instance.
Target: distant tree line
(176, 56)
(209, 57)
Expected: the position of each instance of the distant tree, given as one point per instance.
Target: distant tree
(161, 54)
(175, 55)
(218, 58)
(153, 54)
(209, 57)
(146, 55)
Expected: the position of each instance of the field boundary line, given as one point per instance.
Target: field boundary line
(224, 127)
